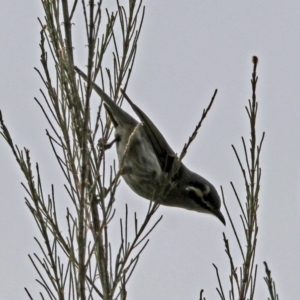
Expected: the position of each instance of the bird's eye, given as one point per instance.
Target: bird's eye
(199, 196)
(194, 193)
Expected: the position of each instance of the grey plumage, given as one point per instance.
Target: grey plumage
(149, 165)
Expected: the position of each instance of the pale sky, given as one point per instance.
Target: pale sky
(186, 50)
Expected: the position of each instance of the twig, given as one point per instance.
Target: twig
(194, 134)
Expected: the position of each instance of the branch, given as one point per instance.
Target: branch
(194, 134)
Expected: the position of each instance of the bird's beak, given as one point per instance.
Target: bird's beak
(219, 215)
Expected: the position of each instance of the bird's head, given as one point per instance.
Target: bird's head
(199, 194)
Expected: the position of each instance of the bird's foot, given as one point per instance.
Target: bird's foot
(102, 144)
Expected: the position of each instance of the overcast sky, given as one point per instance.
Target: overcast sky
(187, 49)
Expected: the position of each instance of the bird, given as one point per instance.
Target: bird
(150, 167)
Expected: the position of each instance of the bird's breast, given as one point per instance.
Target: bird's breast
(138, 162)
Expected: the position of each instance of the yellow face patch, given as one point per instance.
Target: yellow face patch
(201, 194)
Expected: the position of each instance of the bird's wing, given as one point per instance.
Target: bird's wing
(163, 151)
